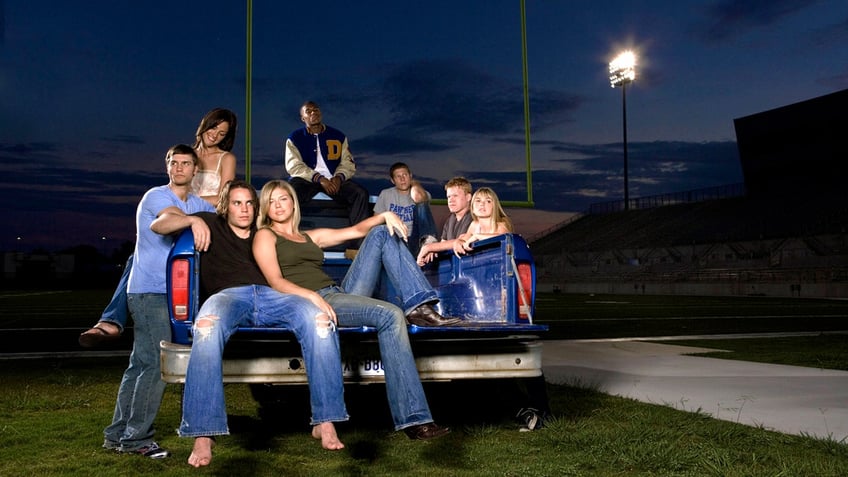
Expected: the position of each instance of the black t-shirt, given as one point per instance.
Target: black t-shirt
(229, 261)
(454, 228)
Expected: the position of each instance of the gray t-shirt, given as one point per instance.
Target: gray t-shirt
(454, 228)
(393, 200)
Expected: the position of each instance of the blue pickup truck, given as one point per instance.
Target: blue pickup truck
(492, 289)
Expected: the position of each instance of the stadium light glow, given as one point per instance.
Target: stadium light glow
(622, 71)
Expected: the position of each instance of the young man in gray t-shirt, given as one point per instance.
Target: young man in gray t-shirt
(411, 203)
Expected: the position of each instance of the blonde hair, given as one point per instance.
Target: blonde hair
(265, 204)
(498, 214)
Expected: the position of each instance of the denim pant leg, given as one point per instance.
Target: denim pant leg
(117, 311)
(204, 406)
(423, 224)
(382, 251)
(406, 397)
(141, 389)
(319, 345)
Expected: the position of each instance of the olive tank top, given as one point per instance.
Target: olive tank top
(301, 263)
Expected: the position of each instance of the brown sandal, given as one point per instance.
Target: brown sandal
(96, 336)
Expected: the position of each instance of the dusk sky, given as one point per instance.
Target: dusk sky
(95, 92)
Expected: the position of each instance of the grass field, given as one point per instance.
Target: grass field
(569, 316)
(52, 411)
(616, 316)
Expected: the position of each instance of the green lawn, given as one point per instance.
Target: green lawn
(827, 351)
(52, 411)
(616, 316)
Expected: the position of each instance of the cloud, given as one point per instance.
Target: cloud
(389, 144)
(27, 148)
(450, 96)
(729, 18)
(124, 139)
(831, 35)
(437, 105)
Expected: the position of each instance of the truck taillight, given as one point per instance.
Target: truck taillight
(525, 291)
(179, 288)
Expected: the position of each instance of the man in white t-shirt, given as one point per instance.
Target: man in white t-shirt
(411, 203)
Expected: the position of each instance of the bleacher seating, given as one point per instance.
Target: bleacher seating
(735, 239)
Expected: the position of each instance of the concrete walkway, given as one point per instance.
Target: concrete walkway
(788, 399)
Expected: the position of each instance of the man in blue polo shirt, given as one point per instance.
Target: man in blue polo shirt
(141, 389)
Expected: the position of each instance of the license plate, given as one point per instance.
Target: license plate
(363, 367)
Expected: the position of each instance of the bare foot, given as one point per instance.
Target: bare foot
(326, 431)
(201, 454)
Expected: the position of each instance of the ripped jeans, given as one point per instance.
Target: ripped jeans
(204, 408)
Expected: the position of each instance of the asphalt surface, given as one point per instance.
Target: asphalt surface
(787, 399)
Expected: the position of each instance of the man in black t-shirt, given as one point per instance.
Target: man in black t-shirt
(458, 191)
(238, 294)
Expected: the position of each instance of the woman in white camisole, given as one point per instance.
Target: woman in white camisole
(214, 139)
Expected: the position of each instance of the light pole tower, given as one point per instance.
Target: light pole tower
(622, 71)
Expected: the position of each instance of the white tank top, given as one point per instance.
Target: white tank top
(208, 182)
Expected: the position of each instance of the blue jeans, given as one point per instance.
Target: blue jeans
(381, 251)
(204, 408)
(403, 387)
(141, 389)
(423, 224)
(117, 311)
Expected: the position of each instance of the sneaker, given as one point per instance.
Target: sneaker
(530, 418)
(151, 451)
(112, 445)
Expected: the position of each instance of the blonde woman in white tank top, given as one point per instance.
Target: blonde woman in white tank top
(488, 220)
(214, 139)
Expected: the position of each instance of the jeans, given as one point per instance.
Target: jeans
(380, 251)
(423, 225)
(117, 311)
(407, 401)
(204, 407)
(141, 389)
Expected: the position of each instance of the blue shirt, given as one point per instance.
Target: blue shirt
(151, 249)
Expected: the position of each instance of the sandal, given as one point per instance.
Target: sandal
(96, 336)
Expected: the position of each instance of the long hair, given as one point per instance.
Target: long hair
(224, 197)
(265, 204)
(214, 118)
(498, 214)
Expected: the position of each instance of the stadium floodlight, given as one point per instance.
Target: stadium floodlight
(622, 71)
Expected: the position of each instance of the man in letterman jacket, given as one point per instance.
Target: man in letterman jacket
(318, 159)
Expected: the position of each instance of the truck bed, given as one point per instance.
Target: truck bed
(492, 289)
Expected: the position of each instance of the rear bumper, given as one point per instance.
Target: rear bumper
(436, 360)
